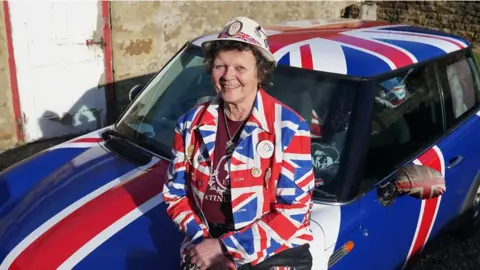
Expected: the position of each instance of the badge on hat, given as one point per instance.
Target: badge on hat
(265, 149)
(234, 28)
(257, 31)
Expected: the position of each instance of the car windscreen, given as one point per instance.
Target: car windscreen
(324, 100)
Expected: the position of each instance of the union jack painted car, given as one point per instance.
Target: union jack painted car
(394, 114)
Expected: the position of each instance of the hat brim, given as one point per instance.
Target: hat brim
(266, 53)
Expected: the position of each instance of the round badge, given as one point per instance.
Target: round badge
(234, 28)
(256, 172)
(265, 149)
(200, 183)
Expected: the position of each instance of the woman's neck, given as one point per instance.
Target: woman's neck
(240, 111)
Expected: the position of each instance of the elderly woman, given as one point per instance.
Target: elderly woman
(240, 183)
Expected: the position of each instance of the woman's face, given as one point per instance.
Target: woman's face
(234, 75)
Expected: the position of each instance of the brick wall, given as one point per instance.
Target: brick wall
(456, 17)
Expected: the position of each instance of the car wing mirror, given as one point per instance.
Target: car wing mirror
(417, 181)
(134, 92)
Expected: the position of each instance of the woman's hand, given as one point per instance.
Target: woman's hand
(224, 264)
(206, 253)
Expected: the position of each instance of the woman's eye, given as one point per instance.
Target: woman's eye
(240, 68)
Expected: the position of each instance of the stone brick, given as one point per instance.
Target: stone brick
(401, 6)
(441, 9)
(431, 16)
(459, 26)
(472, 12)
(427, 8)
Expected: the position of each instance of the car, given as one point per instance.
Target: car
(394, 113)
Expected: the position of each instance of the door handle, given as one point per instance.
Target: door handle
(454, 161)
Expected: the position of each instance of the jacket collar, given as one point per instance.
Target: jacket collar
(260, 116)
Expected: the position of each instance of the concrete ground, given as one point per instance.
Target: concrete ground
(445, 252)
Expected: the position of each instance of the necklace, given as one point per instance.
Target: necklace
(230, 145)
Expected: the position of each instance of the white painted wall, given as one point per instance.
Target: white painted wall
(57, 73)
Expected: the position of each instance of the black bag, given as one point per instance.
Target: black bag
(298, 258)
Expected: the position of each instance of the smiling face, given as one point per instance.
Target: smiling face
(235, 76)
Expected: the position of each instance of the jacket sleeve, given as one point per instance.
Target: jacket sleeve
(289, 214)
(179, 207)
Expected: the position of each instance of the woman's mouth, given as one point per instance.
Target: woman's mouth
(230, 87)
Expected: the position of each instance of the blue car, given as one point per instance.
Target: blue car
(394, 112)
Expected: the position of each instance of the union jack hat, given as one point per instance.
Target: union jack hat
(245, 30)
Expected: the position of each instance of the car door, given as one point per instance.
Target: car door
(459, 80)
(407, 123)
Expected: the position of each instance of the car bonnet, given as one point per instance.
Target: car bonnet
(79, 205)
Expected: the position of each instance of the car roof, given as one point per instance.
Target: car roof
(352, 47)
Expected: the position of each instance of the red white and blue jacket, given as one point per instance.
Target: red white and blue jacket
(271, 210)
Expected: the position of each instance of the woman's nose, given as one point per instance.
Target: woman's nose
(229, 73)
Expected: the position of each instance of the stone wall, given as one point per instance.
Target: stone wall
(8, 137)
(146, 34)
(456, 17)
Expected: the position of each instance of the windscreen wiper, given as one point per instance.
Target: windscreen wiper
(113, 133)
(141, 140)
(125, 147)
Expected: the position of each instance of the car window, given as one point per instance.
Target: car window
(326, 103)
(460, 84)
(407, 117)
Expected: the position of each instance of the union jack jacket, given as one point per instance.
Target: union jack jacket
(271, 196)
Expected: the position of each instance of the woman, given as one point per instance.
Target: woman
(240, 183)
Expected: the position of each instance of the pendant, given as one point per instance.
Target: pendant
(230, 147)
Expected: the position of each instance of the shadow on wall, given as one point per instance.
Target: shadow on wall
(95, 109)
(120, 97)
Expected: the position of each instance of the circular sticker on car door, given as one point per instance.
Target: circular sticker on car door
(324, 156)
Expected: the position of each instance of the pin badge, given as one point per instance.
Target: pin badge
(256, 172)
(190, 150)
(265, 149)
(200, 183)
(234, 28)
